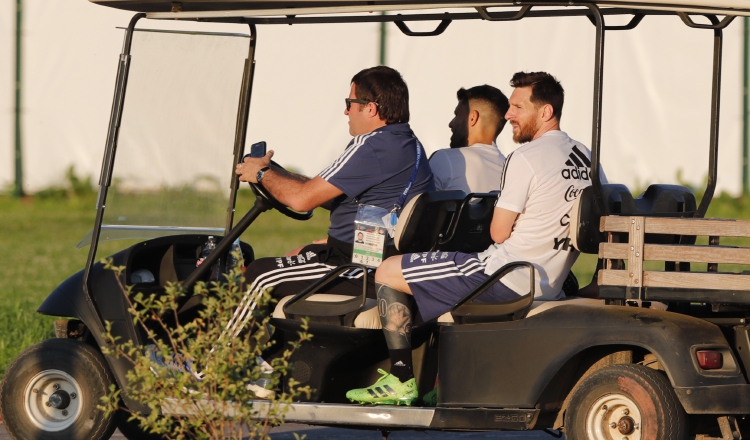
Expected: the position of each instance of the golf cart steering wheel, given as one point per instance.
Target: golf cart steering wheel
(260, 191)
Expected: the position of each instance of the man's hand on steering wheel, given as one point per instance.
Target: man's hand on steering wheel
(248, 169)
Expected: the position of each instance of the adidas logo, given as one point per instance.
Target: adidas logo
(579, 164)
(399, 364)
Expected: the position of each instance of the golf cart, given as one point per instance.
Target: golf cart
(613, 368)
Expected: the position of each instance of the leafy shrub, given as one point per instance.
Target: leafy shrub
(205, 370)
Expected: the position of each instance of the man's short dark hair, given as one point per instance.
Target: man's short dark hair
(386, 87)
(545, 89)
(489, 95)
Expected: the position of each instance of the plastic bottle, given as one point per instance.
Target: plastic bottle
(207, 249)
(231, 259)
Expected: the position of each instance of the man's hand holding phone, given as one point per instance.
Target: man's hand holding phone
(258, 159)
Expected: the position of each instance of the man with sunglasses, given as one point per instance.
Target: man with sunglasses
(379, 164)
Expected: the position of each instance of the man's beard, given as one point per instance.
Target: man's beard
(459, 140)
(525, 133)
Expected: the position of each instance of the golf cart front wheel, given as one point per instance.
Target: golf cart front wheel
(52, 391)
(625, 402)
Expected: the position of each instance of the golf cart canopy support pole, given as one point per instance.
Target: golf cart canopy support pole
(713, 152)
(109, 160)
(596, 119)
(240, 134)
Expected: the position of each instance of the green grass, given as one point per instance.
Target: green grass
(39, 235)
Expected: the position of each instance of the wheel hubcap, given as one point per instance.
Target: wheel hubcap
(613, 417)
(53, 400)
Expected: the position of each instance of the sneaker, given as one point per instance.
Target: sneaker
(387, 390)
(430, 399)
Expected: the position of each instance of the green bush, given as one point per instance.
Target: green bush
(198, 369)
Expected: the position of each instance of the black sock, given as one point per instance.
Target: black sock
(401, 364)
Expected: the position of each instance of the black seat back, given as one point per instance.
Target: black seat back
(470, 230)
(425, 219)
(657, 201)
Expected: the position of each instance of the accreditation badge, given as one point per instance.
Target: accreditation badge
(369, 235)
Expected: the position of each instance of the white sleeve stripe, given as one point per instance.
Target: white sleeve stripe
(344, 158)
(352, 143)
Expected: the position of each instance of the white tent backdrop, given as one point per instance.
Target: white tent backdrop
(656, 95)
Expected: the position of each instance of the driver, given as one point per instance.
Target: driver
(374, 169)
(540, 182)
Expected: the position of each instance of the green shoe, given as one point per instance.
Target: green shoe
(387, 390)
(430, 399)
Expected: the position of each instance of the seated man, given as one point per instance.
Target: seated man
(473, 163)
(530, 223)
(378, 165)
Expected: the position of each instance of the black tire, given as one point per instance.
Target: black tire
(638, 400)
(81, 376)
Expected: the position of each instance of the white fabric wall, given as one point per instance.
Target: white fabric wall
(656, 95)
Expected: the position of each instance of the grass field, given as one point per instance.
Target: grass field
(39, 238)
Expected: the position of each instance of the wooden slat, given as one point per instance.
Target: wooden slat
(681, 226)
(711, 281)
(635, 251)
(697, 254)
(610, 277)
(684, 253)
(614, 223)
(615, 251)
(684, 280)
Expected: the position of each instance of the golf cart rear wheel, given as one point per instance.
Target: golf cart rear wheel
(52, 390)
(625, 402)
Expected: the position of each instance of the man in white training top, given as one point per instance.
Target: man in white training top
(473, 163)
(531, 222)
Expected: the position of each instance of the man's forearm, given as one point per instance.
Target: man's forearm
(299, 195)
(288, 174)
(286, 187)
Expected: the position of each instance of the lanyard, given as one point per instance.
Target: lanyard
(413, 177)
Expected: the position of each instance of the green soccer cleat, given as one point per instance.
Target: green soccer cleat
(388, 390)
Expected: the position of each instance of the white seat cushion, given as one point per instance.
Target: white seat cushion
(403, 219)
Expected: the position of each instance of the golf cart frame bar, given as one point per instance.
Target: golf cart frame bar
(591, 10)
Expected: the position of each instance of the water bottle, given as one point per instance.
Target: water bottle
(207, 249)
(231, 259)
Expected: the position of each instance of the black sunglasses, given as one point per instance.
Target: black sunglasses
(358, 101)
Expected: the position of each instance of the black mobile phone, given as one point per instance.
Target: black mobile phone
(258, 149)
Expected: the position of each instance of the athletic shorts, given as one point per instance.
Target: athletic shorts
(438, 280)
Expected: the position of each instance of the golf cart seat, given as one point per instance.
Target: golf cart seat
(657, 201)
(430, 222)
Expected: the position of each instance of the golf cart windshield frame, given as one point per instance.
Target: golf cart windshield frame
(527, 10)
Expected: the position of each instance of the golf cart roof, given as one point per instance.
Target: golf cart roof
(256, 8)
